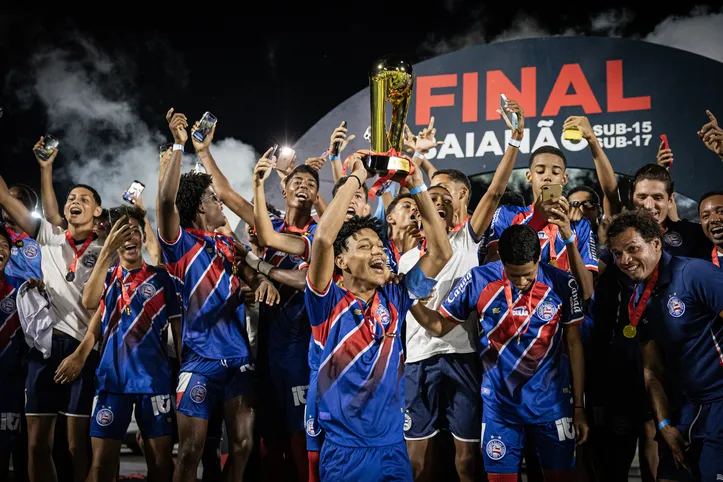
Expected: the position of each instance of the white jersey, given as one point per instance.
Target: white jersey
(66, 296)
(462, 338)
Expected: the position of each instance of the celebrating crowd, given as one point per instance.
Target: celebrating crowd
(335, 344)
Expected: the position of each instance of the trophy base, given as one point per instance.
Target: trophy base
(381, 164)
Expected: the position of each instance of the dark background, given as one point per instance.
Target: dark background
(267, 78)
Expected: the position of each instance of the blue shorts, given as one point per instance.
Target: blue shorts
(503, 444)
(314, 433)
(203, 383)
(112, 414)
(11, 408)
(44, 396)
(371, 464)
(284, 397)
(702, 428)
(442, 393)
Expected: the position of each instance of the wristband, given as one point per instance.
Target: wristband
(419, 155)
(515, 142)
(334, 158)
(663, 423)
(179, 147)
(258, 264)
(569, 240)
(417, 283)
(357, 179)
(416, 190)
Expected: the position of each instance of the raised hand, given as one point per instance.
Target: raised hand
(202, 146)
(177, 123)
(263, 168)
(665, 156)
(580, 123)
(39, 145)
(712, 135)
(340, 135)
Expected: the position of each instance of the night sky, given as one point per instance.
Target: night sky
(267, 78)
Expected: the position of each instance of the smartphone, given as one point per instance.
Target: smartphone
(572, 135)
(49, 144)
(204, 127)
(551, 191)
(664, 138)
(510, 116)
(133, 191)
(275, 153)
(164, 147)
(286, 156)
(337, 145)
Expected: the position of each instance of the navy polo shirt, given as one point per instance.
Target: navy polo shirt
(682, 316)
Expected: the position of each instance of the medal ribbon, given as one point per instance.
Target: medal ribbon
(461, 225)
(139, 278)
(78, 252)
(390, 174)
(714, 257)
(510, 306)
(222, 244)
(636, 312)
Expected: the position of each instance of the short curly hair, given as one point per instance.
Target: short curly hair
(519, 245)
(114, 214)
(353, 226)
(641, 221)
(190, 192)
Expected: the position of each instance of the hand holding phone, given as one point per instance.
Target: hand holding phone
(665, 155)
(44, 148)
(204, 126)
(510, 116)
(551, 192)
(133, 192)
(285, 159)
(572, 134)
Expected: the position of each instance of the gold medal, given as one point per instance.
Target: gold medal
(234, 270)
(128, 310)
(630, 331)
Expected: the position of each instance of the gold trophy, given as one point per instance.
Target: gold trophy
(390, 81)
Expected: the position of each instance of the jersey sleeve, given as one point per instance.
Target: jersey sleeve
(572, 313)
(173, 307)
(500, 221)
(586, 245)
(49, 235)
(706, 283)
(180, 253)
(308, 238)
(462, 300)
(323, 308)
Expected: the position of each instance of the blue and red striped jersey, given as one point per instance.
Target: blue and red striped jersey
(287, 323)
(25, 256)
(133, 351)
(506, 216)
(358, 347)
(526, 371)
(12, 340)
(214, 318)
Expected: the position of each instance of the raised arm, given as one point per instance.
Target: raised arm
(484, 211)
(338, 136)
(94, 287)
(438, 248)
(153, 247)
(604, 170)
(221, 184)
(17, 210)
(321, 268)
(265, 232)
(47, 193)
(168, 219)
(560, 216)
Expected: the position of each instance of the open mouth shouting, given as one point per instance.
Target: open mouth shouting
(75, 210)
(377, 265)
(717, 232)
(442, 213)
(130, 248)
(302, 196)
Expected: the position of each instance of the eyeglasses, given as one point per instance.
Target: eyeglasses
(585, 204)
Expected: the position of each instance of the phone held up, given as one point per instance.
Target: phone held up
(551, 192)
(49, 144)
(510, 116)
(204, 126)
(285, 158)
(133, 191)
(337, 145)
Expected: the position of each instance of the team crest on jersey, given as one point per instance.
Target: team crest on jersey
(676, 307)
(7, 306)
(147, 290)
(198, 394)
(311, 430)
(407, 421)
(383, 315)
(671, 238)
(89, 260)
(104, 417)
(546, 310)
(30, 251)
(496, 449)
(14, 251)
(541, 235)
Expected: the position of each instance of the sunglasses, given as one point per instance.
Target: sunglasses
(585, 204)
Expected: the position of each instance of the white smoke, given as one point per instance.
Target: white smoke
(91, 106)
(700, 32)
